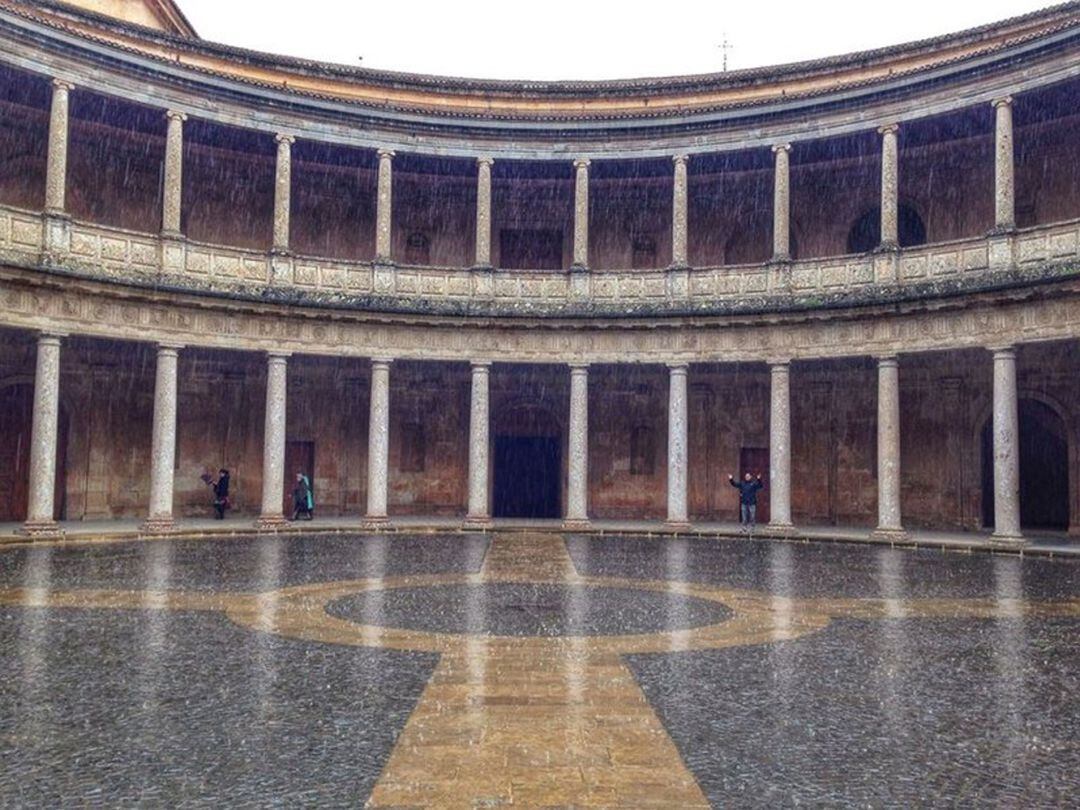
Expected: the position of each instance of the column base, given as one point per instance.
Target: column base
(889, 535)
(158, 525)
(40, 528)
(1011, 541)
(677, 525)
(477, 522)
(376, 523)
(577, 524)
(780, 529)
(271, 523)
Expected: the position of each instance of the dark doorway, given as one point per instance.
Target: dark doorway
(299, 457)
(530, 249)
(865, 234)
(527, 477)
(16, 420)
(1044, 468)
(755, 460)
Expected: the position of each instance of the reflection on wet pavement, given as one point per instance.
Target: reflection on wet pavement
(618, 671)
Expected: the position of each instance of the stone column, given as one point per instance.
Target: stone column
(282, 192)
(780, 446)
(1006, 450)
(676, 477)
(479, 437)
(678, 214)
(889, 186)
(378, 444)
(782, 203)
(1004, 208)
(43, 433)
(56, 167)
(172, 191)
(163, 443)
(577, 489)
(483, 211)
(383, 232)
(889, 525)
(273, 490)
(581, 215)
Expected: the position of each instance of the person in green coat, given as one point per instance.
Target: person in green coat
(303, 498)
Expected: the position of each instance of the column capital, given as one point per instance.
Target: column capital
(581, 163)
(381, 362)
(51, 338)
(579, 368)
(278, 356)
(1006, 350)
(62, 84)
(1003, 101)
(781, 147)
(485, 160)
(169, 347)
(887, 360)
(886, 129)
(480, 365)
(680, 159)
(176, 115)
(388, 154)
(678, 367)
(285, 137)
(779, 363)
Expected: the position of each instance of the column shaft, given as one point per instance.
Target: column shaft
(383, 205)
(172, 189)
(679, 233)
(378, 441)
(581, 214)
(1004, 206)
(43, 433)
(780, 445)
(577, 497)
(478, 444)
(1006, 449)
(889, 186)
(483, 211)
(273, 490)
(782, 203)
(677, 430)
(889, 519)
(163, 443)
(56, 166)
(282, 192)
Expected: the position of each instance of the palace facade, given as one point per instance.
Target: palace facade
(578, 300)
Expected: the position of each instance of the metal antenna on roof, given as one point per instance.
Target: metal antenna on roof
(724, 47)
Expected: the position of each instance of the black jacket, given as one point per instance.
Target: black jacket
(221, 487)
(748, 490)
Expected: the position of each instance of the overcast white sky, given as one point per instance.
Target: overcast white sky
(580, 39)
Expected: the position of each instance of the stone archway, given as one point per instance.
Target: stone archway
(1044, 467)
(527, 452)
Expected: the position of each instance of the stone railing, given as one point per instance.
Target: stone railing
(105, 253)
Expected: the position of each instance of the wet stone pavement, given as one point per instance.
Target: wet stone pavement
(520, 670)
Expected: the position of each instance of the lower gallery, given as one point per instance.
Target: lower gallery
(482, 361)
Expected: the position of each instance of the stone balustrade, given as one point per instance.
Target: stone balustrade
(103, 252)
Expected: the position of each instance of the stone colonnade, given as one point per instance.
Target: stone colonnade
(56, 171)
(160, 518)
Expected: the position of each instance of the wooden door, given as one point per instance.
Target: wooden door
(299, 457)
(755, 460)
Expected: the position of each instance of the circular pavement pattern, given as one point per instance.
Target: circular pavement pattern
(528, 609)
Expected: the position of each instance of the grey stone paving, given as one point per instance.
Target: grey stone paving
(528, 609)
(111, 708)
